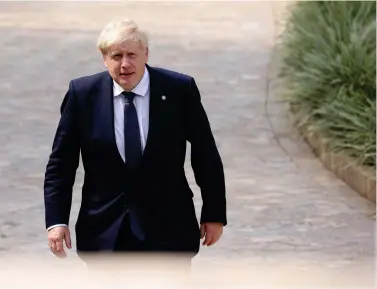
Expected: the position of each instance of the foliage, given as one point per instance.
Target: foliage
(328, 54)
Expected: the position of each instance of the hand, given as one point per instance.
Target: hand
(212, 233)
(55, 240)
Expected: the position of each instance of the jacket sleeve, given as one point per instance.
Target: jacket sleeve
(205, 159)
(62, 164)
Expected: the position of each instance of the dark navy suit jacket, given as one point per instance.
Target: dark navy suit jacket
(159, 190)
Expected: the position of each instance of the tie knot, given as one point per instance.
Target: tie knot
(129, 96)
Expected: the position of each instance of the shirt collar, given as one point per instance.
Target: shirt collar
(141, 89)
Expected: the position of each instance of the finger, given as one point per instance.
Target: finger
(59, 246)
(215, 238)
(202, 231)
(53, 246)
(55, 249)
(61, 254)
(67, 239)
(59, 251)
(207, 239)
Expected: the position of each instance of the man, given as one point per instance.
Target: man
(131, 124)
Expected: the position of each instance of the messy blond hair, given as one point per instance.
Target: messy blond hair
(119, 30)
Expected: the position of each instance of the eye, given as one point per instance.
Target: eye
(116, 55)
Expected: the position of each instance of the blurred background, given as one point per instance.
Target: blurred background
(289, 88)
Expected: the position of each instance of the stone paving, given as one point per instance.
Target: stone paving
(282, 203)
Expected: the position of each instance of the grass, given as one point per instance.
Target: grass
(328, 55)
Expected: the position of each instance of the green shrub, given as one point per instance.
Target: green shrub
(328, 54)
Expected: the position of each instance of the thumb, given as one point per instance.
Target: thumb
(67, 239)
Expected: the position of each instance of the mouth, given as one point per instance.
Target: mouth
(126, 74)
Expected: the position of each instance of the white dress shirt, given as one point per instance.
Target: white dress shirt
(141, 101)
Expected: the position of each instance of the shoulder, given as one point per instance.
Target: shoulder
(173, 81)
(170, 76)
(81, 88)
(87, 82)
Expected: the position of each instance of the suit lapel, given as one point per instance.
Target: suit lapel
(155, 106)
(104, 115)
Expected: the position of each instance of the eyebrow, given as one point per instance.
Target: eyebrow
(120, 52)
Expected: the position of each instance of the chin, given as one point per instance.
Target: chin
(126, 84)
(123, 81)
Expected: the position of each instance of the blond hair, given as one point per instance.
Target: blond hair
(119, 30)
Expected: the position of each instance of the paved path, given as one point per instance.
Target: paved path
(283, 204)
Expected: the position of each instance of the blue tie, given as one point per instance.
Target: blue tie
(132, 142)
(133, 152)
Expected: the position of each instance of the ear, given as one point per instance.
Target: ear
(147, 53)
(104, 59)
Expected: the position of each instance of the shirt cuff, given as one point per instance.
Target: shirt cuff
(57, 225)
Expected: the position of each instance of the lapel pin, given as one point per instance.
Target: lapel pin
(163, 97)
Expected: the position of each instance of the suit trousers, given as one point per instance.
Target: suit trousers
(128, 246)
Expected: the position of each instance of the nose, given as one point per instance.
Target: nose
(125, 62)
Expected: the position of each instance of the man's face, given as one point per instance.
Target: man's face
(126, 63)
